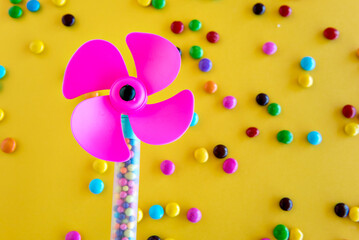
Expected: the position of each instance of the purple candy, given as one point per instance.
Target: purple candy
(230, 165)
(194, 215)
(73, 235)
(205, 65)
(269, 48)
(167, 167)
(229, 102)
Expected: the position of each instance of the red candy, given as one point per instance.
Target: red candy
(349, 111)
(252, 132)
(285, 11)
(212, 37)
(177, 27)
(331, 33)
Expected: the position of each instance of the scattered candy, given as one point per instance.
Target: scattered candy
(144, 3)
(73, 235)
(210, 87)
(331, 33)
(341, 210)
(285, 11)
(230, 165)
(194, 120)
(8, 145)
(33, 5)
(307, 63)
(274, 109)
(305, 80)
(205, 65)
(220, 151)
(354, 214)
(281, 232)
(259, 9)
(195, 25)
(285, 136)
(96, 186)
(59, 3)
(15, 12)
(212, 37)
(158, 4)
(177, 27)
(154, 237)
(349, 111)
(252, 132)
(295, 234)
(194, 215)
(68, 20)
(229, 102)
(2, 72)
(201, 155)
(173, 209)
(37, 46)
(351, 129)
(15, 1)
(99, 166)
(314, 138)
(139, 215)
(167, 167)
(196, 52)
(269, 48)
(156, 212)
(286, 204)
(2, 114)
(262, 99)
(179, 50)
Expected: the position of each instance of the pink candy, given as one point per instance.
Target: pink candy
(123, 194)
(123, 226)
(123, 181)
(73, 235)
(194, 215)
(230, 165)
(229, 102)
(167, 167)
(269, 48)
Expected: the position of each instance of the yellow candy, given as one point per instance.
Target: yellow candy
(295, 234)
(144, 3)
(351, 129)
(201, 155)
(139, 215)
(37, 46)
(2, 114)
(59, 3)
(172, 209)
(100, 166)
(305, 80)
(131, 225)
(354, 214)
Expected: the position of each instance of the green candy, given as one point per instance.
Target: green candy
(196, 52)
(195, 25)
(285, 136)
(15, 12)
(15, 1)
(274, 109)
(158, 4)
(281, 232)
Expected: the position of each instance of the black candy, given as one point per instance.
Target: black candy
(154, 237)
(259, 9)
(220, 151)
(286, 204)
(341, 210)
(262, 99)
(68, 20)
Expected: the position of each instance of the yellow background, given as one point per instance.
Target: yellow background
(44, 184)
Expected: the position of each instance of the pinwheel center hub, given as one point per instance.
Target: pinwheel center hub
(127, 93)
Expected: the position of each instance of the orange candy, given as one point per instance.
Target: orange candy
(123, 170)
(8, 145)
(210, 87)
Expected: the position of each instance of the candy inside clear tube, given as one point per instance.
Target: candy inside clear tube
(125, 189)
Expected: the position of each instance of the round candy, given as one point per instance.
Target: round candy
(341, 210)
(73, 235)
(269, 48)
(96, 186)
(286, 204)
(285, 11)
(173, 209)
(195, 25)
(262, 99)
(220, 151)
(144, 3)
(154, 237)
(230, 165)
(68, 20)
(331, 33)
(305, 80)
(2, 72)
(15, 1)
(212, 37)
(179, 50)
(99, 166)
(229, 102)
(177, 27)
(194, 120)
(259, 9)
(15, 12)
(296, 234)
(8, 145)
(167, 167)
(158, 4)
(2, 114)
(205, 65)
(33, 5)
(252, 132)
(351, 129)
(139, 215)
(281, 232)
(307, 63)
(196, 52)
(201, 155)
(349, 111)
(194, 215)
(59, 3)
(156, 212)
(354, 214)
(37, 46)
(285, 136)
(314, 138)
(210, 87)
(274, 109)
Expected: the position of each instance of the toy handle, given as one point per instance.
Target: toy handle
(125, 189)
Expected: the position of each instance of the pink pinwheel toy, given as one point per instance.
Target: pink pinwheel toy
(111, 127)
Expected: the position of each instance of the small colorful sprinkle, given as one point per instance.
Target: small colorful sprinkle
(195, 25)
(8, 145)
(220, 151)
(314, 138)
(252, 132)
(33, 5)
(177, 27)
(196, 52)
(274, 109)
(212, 37)
(331, 33)
(194, 120)
(73, 235)
(349, 111)
(259, 9)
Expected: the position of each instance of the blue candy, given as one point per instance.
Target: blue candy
(307, 63)
(156, 212)
(205, 65)
(96, 186)
(2, 72)
(33, 5)
(314, 138)
(194, 120)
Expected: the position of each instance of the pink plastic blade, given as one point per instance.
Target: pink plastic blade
(164, 122)
(95, 66)
(96, 126)
(157, 60)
